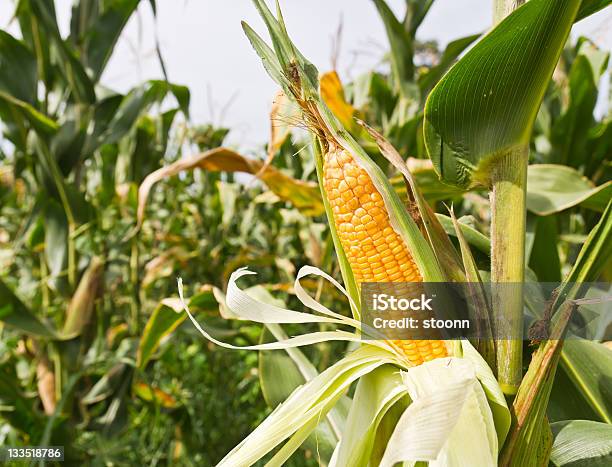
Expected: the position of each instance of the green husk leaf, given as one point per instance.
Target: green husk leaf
(421, 210)
(269, 60)
(246, 307)
(400, 219)
(280, 374)
(376, 392)
(309, 403)
(81, 307)
(449, 422)
(495, 396)
(304, 87)
(482, 308)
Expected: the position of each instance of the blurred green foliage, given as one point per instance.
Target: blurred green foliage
(72, 156)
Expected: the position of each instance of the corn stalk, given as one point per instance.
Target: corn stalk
(508, 195)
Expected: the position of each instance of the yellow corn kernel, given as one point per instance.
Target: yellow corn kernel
(374, 250)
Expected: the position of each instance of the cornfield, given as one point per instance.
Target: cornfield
(166, 299)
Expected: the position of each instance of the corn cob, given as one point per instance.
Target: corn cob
(375, 252)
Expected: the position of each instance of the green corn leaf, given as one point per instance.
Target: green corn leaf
(34, 35)
(535, 389)
(570, 133)
(587, 364)
(555, 188)
(138, 101)
(108, 383)
(567, 401)
(581, 443)
(428, 182)
(455, 48)
(594, 256)
(37, 119)
(15, 314)
(487, 103)
(544, 258)
(472, 236)
(18, 73)
(165, 319)
(16, 408)
(530, 234)
(600, 145)
(402, 46)
(584, 361)
(523, 446)
(551, 188)
(588, 7)
(73, 71)
(83, 16)
(19, 81)
(102, 35)
(416, 11)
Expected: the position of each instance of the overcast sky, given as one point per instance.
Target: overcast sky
(204, 48)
